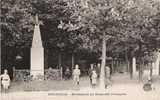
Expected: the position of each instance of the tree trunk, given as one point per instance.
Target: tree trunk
(130, 69)
(127, 60)
(151, 69)
(72, 61)
(130, 62)
(60, 64)
(60, 60)
(103, 63)
(112, 66)
(46, 59)
(140, 72)
(140, 62)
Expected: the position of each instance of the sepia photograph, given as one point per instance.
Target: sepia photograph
(80, 49)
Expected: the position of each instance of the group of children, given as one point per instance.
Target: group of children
(93, 75)
(5, 79)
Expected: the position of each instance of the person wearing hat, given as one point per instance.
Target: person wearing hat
(94, 78)
(5, 80)
(76, 74)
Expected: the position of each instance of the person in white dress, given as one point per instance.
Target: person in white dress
(94, 78)
(76, 74)
(5, 80)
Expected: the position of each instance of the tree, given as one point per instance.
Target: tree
(125, 20)
(96, 21)
(18, 19)
(128, 27)
(141, 30)
(17, 22)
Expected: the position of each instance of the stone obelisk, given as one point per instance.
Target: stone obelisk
(37, 52)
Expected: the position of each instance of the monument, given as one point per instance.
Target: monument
(37, 52)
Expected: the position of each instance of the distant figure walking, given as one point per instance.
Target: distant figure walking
(76, 74)
(5, 80)
(94, 78)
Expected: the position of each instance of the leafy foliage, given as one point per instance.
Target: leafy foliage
(80, 24)
(127, 21)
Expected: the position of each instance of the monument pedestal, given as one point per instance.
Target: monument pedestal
(37, 61)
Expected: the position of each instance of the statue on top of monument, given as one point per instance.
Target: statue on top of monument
(36, 20)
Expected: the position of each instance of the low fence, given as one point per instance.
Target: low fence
(24, 74)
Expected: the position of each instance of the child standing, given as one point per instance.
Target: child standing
(76, 74)
(5, 80)
(94, 78)
(67, 73)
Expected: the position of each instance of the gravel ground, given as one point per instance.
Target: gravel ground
(122, 89)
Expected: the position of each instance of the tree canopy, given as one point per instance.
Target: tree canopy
(128, 24)
(80, 24)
